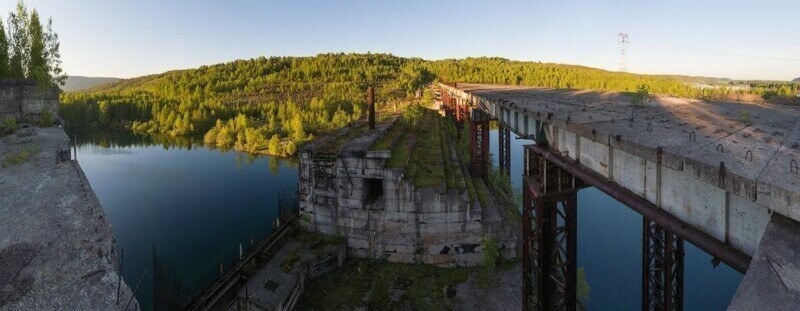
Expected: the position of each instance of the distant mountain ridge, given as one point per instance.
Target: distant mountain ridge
(796, 80)
(77, 83)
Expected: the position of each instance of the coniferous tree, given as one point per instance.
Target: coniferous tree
(37, 59)
(18, 41)
(5, 71)
(52, 50)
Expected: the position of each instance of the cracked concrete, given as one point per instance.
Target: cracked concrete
(773, 280)
(57, 250)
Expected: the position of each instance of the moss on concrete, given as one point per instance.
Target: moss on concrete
(384, 286)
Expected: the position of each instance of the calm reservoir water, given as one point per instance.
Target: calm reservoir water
(196, 205)
(190, 204)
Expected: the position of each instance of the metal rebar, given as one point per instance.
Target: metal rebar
(137, 288)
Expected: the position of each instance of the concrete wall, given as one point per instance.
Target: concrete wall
(407, 224)
(25, 101)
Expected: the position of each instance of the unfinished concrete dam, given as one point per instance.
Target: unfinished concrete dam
(720, 175)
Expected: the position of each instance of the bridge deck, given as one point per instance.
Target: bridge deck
(757, 142)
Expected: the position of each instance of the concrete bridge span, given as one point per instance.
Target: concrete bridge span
(721, 170)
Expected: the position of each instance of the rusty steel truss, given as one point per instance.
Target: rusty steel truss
(479, 144)
(662, 268)
(550, 247)
(504, 149)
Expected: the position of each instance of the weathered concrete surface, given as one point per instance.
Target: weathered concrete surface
(57, 250)
(433, 225)
(723, 168)
(24, 101)
(773, 280)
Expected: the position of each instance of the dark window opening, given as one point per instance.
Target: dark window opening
(373, 190)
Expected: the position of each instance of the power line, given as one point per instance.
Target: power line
(622, 40)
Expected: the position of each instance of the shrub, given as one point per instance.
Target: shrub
(641, 94)
(47, 117)
(8, 125)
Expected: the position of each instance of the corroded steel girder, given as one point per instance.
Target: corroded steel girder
(662, 268)
(479, 144)
(504, 146)
(549, 248)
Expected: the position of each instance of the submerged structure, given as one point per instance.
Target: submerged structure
(402, 192)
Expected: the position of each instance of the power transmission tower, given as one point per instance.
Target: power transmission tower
(623, 44)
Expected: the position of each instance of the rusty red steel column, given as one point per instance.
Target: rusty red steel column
(371, 106)
(549, 236)
(504, 149)
(479, 144)
(662, 268)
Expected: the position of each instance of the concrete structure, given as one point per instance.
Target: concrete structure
(382, 215)
(723, 168)
(25, 101)
(281, 282)
(57, 250)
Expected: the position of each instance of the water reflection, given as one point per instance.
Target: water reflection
(190, 204)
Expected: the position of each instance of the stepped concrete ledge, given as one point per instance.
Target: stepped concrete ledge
(57, 250)
(773, 280)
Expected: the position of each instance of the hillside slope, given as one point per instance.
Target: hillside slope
(272, 105)
(77, 83)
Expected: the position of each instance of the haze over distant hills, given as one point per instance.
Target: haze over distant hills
(77, 83)
(796, 80)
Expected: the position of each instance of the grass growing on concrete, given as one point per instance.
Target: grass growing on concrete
(401, 151)
(8, 125)
(425, 169)
(481, 191)
(384, 286)
(390, 138)
(18, 158)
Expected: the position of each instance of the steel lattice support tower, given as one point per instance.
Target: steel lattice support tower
(623, 43)
(549, 249)
(662, 268)
(504, 146)
(479, 144)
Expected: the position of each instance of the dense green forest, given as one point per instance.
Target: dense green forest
(29, 50)
(274, 105)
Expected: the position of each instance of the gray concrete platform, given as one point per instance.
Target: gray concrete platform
(773, 280)
(57, 250)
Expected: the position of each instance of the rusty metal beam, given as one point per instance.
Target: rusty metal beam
(727, 254)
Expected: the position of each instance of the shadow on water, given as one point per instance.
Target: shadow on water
(179, 209)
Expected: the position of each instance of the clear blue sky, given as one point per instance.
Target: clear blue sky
(735, 39)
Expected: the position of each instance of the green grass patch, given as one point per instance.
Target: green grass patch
(8, 125)
(18, 158)
(400, 151)
(390, 137)
(481, 191)
(425, 169)
(370, 285)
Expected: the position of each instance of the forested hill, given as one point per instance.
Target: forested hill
(77, 83)
(271, 105)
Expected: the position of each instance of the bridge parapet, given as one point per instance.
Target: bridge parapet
(723, 167)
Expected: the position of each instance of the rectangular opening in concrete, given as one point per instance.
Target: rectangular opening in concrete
(373, 191)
